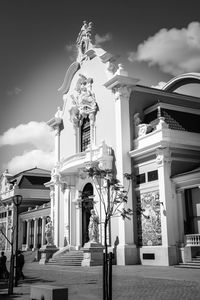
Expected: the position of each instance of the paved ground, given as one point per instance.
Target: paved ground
(130, 282)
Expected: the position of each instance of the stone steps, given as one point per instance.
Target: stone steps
(70, 258)
(194, 263)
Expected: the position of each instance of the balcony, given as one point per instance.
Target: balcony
(163, 136)
(101, 155)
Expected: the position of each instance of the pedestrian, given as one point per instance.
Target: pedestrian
(3, 269)
(20, 264)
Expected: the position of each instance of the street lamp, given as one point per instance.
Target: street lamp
(17, 200)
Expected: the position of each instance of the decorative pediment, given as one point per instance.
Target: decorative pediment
(83, 101)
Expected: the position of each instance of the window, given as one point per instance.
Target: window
(153, 175)
(85, 134)
(3, 215)
(140, 178)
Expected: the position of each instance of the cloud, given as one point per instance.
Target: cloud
(31, 159)
(102, 39)
(159, 85)
(37, 134)
(175, 51)
(14, 91)
(72, 50)
(70, 47)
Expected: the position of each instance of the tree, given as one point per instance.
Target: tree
(113, 197)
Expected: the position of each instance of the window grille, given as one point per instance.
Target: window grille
(85, 134)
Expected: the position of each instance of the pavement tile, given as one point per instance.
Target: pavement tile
(129, 282)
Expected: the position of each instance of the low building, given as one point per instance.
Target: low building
(32, 212)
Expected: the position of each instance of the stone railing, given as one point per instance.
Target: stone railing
(101, 154)
(192, 240)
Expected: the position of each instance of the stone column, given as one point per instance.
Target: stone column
(6, 232)
(78, 223)
(35, 240)
(180, 215)
(43, 231)
(67, 215)
(121, 86)
(56, 123)
(28, 234)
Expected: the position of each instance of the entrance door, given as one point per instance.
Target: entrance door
(192, 201)
(87, 205)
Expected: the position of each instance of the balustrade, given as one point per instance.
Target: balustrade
(192, 240)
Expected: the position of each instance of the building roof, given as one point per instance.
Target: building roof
(196, 170)
(33, 171)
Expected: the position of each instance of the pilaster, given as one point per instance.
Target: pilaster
(163, 161)
(121, 86)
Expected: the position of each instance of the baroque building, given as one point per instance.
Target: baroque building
(110, 120)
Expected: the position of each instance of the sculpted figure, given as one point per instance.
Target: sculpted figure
(49, 231)
(93, 227)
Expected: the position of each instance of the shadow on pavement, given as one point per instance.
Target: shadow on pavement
(18, 291)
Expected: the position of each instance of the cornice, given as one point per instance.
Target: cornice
(120, 80)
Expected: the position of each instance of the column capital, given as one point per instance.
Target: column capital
(180, 191)
(121, 85)
(163, 155)
(56, 122)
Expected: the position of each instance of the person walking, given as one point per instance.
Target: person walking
(3, 268)
(20, 264)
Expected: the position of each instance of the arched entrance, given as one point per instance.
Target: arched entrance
(87, 205)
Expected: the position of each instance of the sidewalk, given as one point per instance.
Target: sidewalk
(130, 282)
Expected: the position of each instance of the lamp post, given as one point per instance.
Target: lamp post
(17, 200)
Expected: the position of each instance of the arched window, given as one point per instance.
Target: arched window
(85, 134)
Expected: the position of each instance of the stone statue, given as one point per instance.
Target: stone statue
(93, 227)
(49, 232)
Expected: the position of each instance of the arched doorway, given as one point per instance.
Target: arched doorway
(87, 205)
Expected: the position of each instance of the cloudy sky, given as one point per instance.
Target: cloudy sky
(155, 40)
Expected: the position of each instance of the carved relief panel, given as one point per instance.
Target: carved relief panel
(148, 219)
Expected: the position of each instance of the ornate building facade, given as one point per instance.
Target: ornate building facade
(109, 120)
